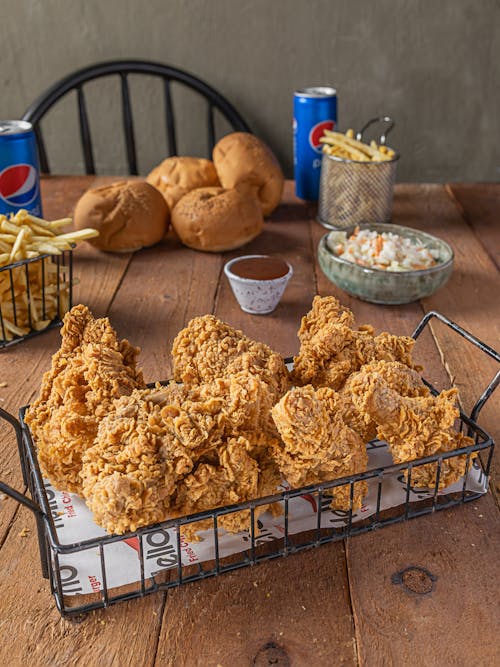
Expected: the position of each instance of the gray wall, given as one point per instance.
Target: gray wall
(431, 64)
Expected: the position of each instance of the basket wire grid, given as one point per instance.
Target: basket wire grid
(352, 192)
(174, 572)
(40, 284)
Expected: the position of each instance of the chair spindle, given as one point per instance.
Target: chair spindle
(128, 127)
(170, 119)
(211, 129)
(42, 153)
(85, 137)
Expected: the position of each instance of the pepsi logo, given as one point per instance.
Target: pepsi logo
(317, 132)
(19, 184)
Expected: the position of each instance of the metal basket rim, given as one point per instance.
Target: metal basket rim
(226, 509)
(29, 260)
(373, 163)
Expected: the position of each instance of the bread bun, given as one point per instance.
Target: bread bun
(176, 176)
(244, 162)
(128, 215)
(216, 219)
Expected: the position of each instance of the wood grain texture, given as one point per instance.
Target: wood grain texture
(33, 632)
(478, 203)
(27, 605)
(295, 610)
(165, 286)
(455, 624)
(388, 634)
(22, 366)
(298, 610)
(470, 298)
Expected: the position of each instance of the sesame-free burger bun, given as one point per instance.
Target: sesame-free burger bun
(217, 219)
(128, 215)
(244, 162)
(176, 176)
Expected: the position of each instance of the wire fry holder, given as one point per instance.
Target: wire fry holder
(34, 296)
(352, 192)
(168, 551)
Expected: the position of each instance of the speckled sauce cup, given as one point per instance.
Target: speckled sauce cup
(257, 297)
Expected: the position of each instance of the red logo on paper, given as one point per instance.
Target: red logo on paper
(317, 132)
(311, 499)
(133, 542)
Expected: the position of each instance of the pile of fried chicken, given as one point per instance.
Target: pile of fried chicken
(234, 422)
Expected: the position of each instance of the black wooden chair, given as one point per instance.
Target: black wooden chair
(123, 68)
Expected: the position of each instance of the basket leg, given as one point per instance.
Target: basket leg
(42, 545)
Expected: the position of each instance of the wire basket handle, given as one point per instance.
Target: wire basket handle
(477, 343)
(5, 488)
(383, 136)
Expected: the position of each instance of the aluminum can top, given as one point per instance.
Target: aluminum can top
(14, 127)
(316, 91)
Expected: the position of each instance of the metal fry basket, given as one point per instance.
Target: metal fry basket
(35, 294)
(85, 573)
(352, 192)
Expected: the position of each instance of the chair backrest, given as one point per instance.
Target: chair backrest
(123, 68)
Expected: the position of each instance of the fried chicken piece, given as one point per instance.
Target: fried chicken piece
(318, 445)
(242, 467)
(331, 348)
(414, 426)
(155, 443)
(131, 472)
(404, 380)
(324, 311)
(246, 398)
(229, 480)
(233, 478)
(208, 349)
(91, 369)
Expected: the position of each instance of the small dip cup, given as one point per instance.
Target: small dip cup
(255, 296)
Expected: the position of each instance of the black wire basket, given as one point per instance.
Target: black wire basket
(162, 557)
(35, 294)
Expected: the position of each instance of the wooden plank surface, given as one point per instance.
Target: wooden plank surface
(455, 623)
(390, 623)
(256, 615)
(291, 611)
(27, 605)
(470, 298)
(478, 204)
(300, 610)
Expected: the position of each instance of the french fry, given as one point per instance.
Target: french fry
(33, 294)
(55, 224)
(79, 235)
(10, 326)
(17, 245)
(39, 221)
(346, 146)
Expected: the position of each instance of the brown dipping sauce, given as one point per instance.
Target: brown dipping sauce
(260, 268)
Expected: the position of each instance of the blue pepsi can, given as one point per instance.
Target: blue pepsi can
(19, 171)
(314, 110)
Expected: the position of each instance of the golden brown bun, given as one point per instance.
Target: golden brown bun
(244, 162)
(216, 219)
(128, 215)
(176, 176)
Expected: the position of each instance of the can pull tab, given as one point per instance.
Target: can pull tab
(383, 136)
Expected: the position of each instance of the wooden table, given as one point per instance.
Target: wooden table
(329, 606)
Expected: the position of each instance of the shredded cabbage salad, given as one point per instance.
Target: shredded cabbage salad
(387, 251)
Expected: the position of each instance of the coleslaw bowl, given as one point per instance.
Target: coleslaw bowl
(379, 285)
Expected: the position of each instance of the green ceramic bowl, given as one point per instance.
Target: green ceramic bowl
(387, 287)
